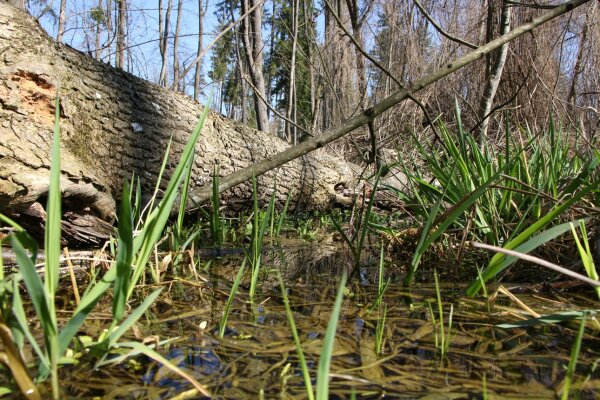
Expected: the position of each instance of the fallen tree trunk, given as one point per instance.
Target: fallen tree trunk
(113, 125)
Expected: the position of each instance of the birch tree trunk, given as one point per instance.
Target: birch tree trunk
(164, 44)
(61, 20)
(198, 73)
(121, 33)
(495, 73)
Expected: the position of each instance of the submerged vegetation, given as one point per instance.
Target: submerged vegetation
(302, 320)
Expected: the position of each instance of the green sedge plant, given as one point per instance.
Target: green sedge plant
(260, 223)
(585, 253)
(297, 343)
(328, 342)
(575, 350)
(502, 197)
(233, 292)
(442, 337)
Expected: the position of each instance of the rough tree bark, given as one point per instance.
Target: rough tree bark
(114, 124)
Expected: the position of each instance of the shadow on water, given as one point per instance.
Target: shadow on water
(256, 358)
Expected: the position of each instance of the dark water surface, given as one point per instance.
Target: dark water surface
(257, 358)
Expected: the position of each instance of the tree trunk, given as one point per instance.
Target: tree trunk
(290, 130)
(198, 73)
(494, 73)
(114, 124)
(121, 29)
(62, 16)
(164, 45)
(176, 47)
(252, 36)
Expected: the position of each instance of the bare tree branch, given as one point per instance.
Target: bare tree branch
(259, 168)
(440, 29)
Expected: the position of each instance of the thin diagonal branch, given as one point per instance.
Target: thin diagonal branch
(440, 29)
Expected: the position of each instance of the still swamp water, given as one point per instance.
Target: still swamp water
(388, 349)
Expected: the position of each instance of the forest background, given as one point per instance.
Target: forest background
(297, 68)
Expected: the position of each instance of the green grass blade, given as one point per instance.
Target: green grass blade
(283, 215)
(184, 194)
(54, 214)
(232, 293)
(150, 206)
(421, 248)
(328, 342)
(216, 230)
(124, 254)
(35, 288)
(573, 359)
(86, 305)
(585, 253)
(135, 315)
(18, 312)
(297, 343)
(10, 222)
(367, 217)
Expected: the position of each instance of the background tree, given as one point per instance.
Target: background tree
(308, 72)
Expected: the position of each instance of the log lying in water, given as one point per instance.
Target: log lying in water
(113, 125)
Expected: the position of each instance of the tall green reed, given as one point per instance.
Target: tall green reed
(585, 253)
(328, 342)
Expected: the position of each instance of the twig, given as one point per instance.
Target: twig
(538, 261)
(440, 29)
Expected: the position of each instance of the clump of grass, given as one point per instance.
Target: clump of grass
(260, 222)
(501, 197)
